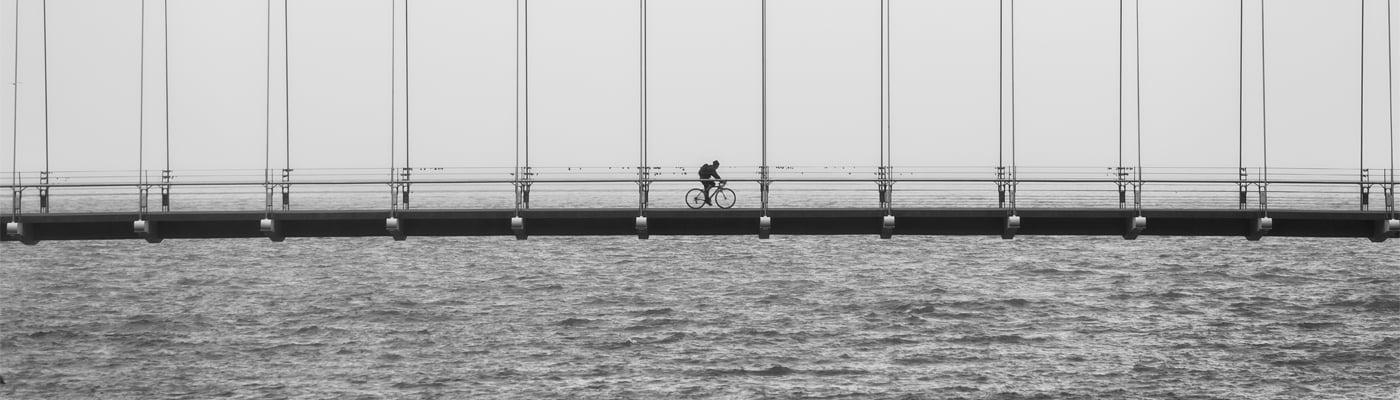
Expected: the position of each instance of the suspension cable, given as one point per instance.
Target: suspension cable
(1001, 85)
(46, 84)
(1240, 171)
(267, 113)
(14, 122)
(527, 88)
(166, 31)
(1390, 83)
(642, 98)
(1264, 97)
(763, 101)
(1137, 76)
(763, 84)
(1014, 173)
(1361, 101)
(1118, 175)
(287, 85)
(883, 114)
(407, 79)
(141, 105)
(517, 102)
(886, 104)
(393, 92)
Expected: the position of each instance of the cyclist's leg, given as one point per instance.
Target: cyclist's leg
(708, 185)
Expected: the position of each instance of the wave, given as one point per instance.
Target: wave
(999, 339)
(1379, 303)
(780, 370)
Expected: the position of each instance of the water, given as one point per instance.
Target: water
(702, 317)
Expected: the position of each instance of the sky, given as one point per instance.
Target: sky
(346, 101)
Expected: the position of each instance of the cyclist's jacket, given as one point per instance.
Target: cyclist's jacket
(707, 171)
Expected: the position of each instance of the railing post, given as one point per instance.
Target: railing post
(267, 191)
(883, 181)
(1244, 188)
(404, 180)
(643, 198)
(1001, 187)
(522, 194)
(143, 199)
(44, 192)
(1365, 189)
(764, 181)
(1264, 196)
(16, 199)
(165, 178)
(286, 189)
(1137, 192)
(1120, 178)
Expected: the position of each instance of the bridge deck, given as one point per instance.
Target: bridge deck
(578, 222)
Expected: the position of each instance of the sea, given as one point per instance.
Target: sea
(793, 317)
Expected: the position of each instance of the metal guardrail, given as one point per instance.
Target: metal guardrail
(828, 185)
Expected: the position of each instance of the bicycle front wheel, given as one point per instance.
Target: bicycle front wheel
(724, 198)
(695, 198)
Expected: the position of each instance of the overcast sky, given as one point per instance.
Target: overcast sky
(704, 70)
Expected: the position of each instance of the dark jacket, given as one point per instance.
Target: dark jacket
(707, 171)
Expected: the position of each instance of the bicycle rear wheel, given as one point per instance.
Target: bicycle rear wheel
(724, 198)
(695, 198)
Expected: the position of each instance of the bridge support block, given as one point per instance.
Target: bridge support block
(641, 226)
(272, 229)
(765, 227)
(147, 229)
(887, 227)
(1135, 227)
(22, 231)
(517, 225)
(395, 228)
(1385, 229)
(1013, 224)
(1259, 228)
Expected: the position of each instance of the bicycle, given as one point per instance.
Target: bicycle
(721, 196)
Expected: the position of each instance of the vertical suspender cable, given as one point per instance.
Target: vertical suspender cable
(287, 90)
(642, 171)
(44, 175)
(1390, 84)
(166, 31)
(1014, 173)
(527, 99)
(267, 104)
(882, 99)
(393, 101)
(763, 102)
(267, 117)
(886, 47)
(407, 109)
(14, 127)
(1361, 104)
(1264, 105)
(1137, 76)
(1240, 171)
(406, 175)
(517, 108)
(141, 112)
(46, 85)
(1119, 171)
(1001, 89)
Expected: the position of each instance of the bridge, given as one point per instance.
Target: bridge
(1004, 198)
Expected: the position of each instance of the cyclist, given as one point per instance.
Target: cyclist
(707, 173)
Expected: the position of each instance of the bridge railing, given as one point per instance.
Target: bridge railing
(792, 187)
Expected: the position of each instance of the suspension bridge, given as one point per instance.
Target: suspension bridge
(643, 199)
